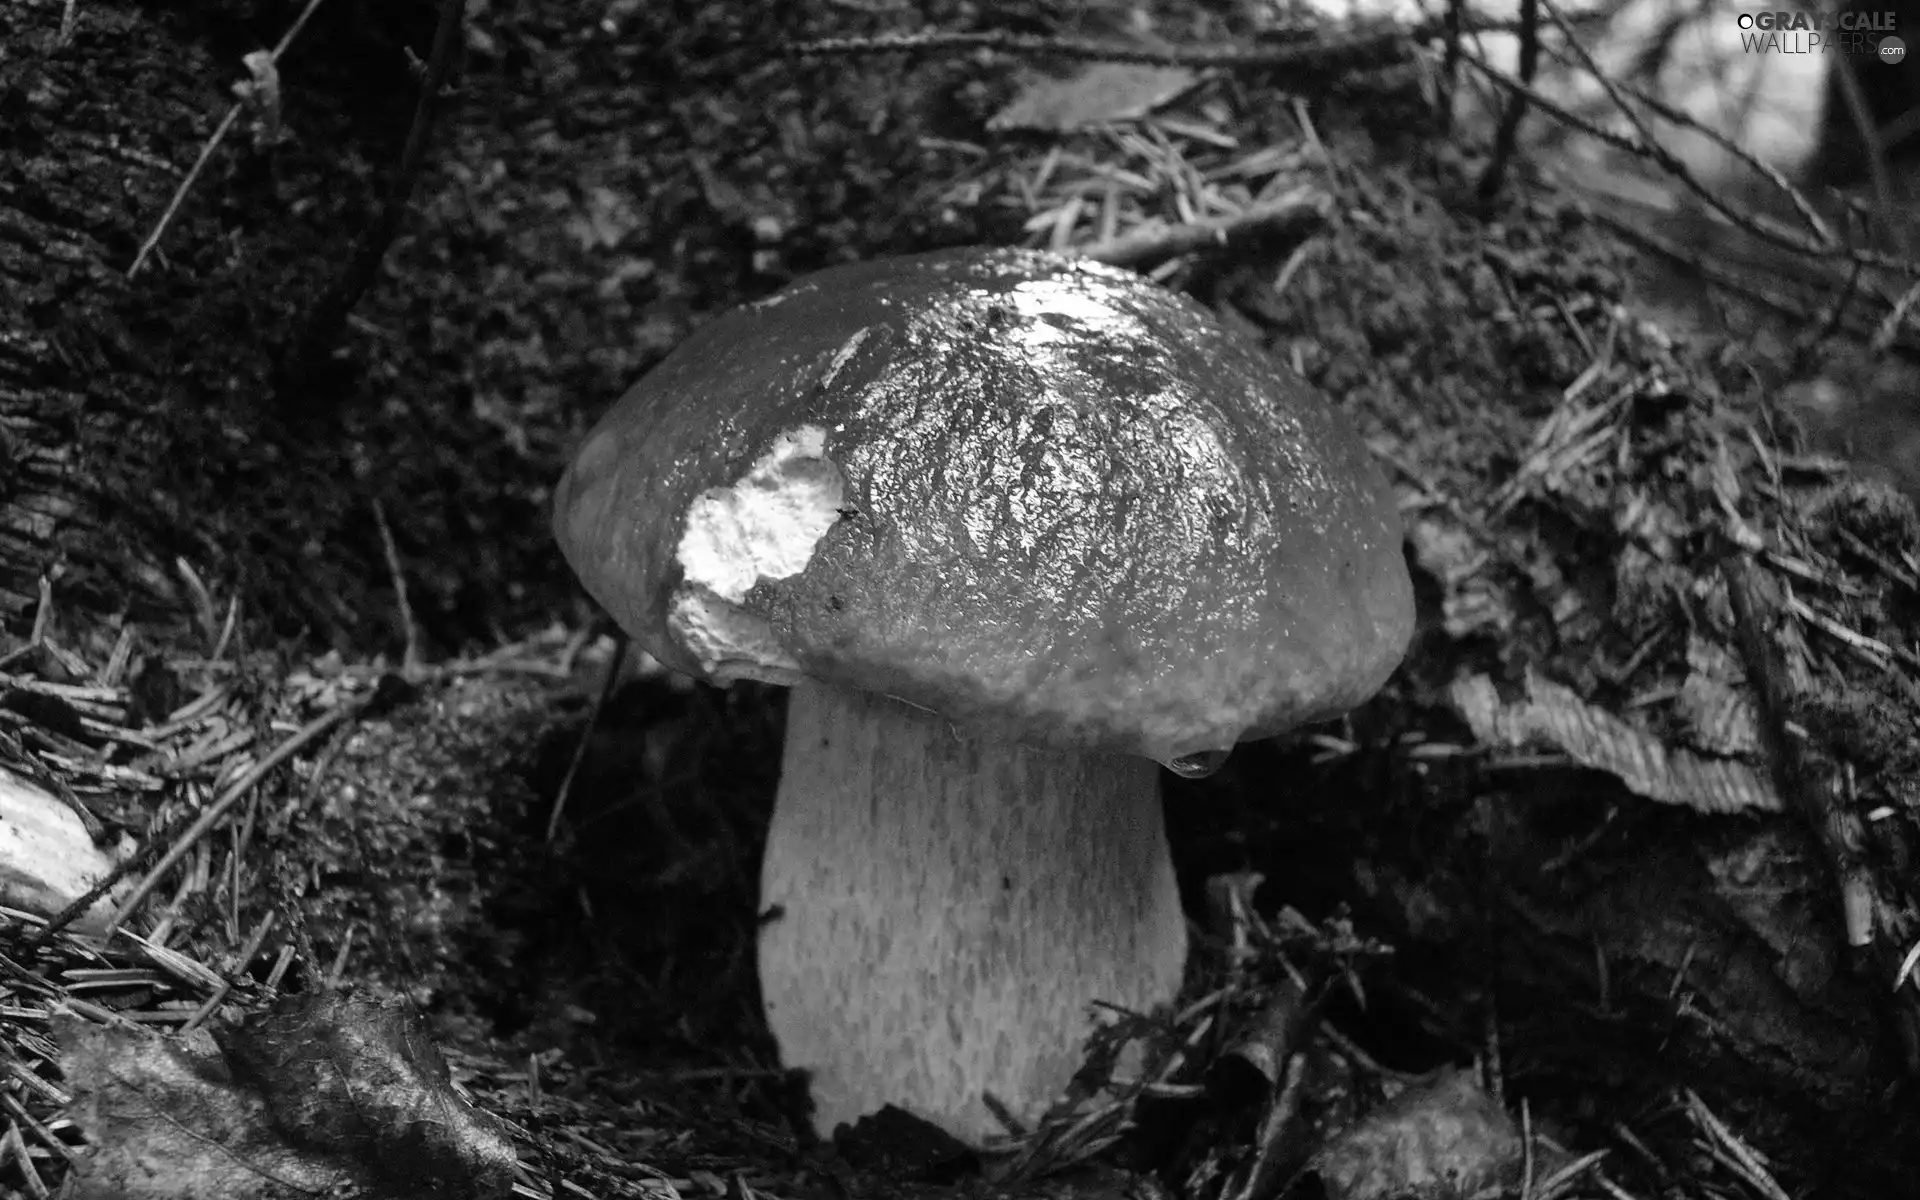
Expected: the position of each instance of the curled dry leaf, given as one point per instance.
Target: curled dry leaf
(330, 1095)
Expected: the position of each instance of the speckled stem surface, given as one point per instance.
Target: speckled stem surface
(951, 910)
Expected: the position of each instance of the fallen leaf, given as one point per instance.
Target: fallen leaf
(1552, 717)
(1097, 94)
(333, 1094)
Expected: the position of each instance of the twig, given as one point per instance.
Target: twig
(1277, 1149)
(1377, 47)
(1889, 331)
(1507, 136)
(1450, 65)
(607, 686)
(206, 151)
(1727, 278)
(1834, 319)
(208, 818)
(1346, 53)
(1732, 1150)
(1526, 1150)
(1668, 162)
(1809, 216)
(1255, 1066)
(308, 351)
(1872, 148)
(1658, 153)
(409, 657)
(1295, 216)
(338, 971)
(1832, 828)
(1576, 57)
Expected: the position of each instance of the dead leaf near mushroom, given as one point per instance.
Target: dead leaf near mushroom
(1095, 94)
(318, 1095)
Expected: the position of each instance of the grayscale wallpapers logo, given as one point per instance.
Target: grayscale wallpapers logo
(1867, 34)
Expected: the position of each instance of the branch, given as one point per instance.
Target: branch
(1295, 216)
(301, 362)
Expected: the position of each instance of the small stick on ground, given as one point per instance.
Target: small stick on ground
(1295, 216)
(410, 657)
(1833, 830)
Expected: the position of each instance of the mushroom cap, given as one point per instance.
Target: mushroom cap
(1039, 496)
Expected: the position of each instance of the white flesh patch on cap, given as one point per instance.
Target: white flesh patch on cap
(730, 642)
(763, 527)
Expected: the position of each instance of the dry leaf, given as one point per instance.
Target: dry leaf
(1552, 717)
(1097, 94)
(329, 1095)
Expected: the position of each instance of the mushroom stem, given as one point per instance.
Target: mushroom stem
(951, 908)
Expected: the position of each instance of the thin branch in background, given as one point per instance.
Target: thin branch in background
(1373, 46)
(1872, 148)
(1802, 206)
(1346, 52)
(206, 151)
(1663, 158)
(1889, 331)
(607, 685)
(1836, 315)
(1451, 33)
(1507, 137)
(309, 349)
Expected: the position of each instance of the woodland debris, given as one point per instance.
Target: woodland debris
(47, 857)
(318, 1094)
(1096, 94)
(1551, 716)
(1442, 1138)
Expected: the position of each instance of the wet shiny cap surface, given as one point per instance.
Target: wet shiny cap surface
(1042, 497)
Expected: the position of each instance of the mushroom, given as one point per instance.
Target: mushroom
(1013, 528)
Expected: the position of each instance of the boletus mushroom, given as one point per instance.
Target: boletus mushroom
(1013, 528)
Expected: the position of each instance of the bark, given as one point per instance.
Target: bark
(87, 162)
(134, 432)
